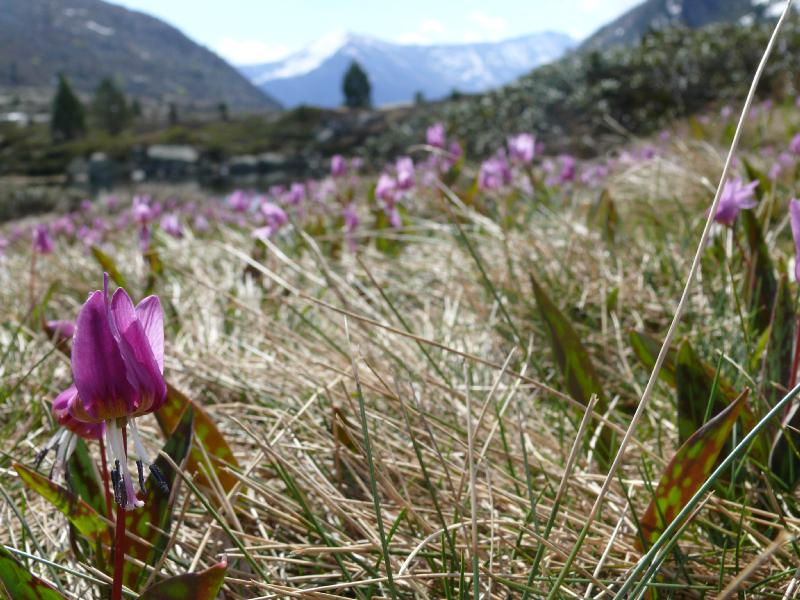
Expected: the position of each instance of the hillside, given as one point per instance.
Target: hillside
(661, 14)
(89, 39)
(398, 71)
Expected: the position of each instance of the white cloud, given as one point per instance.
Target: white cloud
(429, 31)
(489, 27)
(249, 52)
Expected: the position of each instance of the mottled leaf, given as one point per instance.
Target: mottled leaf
(574, 362)
(206, 433)
(86, 520)
(109, 266)
(203, 585)
(17, 583)
(687, 471)
(152, 522)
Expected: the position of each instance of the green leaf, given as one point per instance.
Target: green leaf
(784, 456)
(694, 385)
(687, 471)
(603, 215)
(781, 342)
(206, 433)
(84, 480)
(17, 583)
(574, 362)
(762, 287)
(109, 266)
(86, 520)
(646, 349)
(152, 522)
(203, 585)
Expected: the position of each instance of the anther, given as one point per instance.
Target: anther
(159, 477)
(140, 468)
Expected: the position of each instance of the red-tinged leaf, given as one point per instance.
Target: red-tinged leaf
(17, 583)
(152, 522)
(575, 365)
(86, 520)
(687, 471)
(646, 349)
(778, 363)
(203, 585)
(205, 432)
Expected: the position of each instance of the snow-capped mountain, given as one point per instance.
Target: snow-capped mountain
(398, 71)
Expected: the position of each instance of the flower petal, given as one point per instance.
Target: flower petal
(61, 411)
(140, 362)
(151, 316)
(98, 368)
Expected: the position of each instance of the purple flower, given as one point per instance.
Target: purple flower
(238, 201)
(295, 195)
(275, 218)
(794, 145)
(87, 431)
(42, 242)
(794, 221)
(351, 219)
(171, 225)
(200, 223)
(338, 166)
(117, 367)
(394, 216)
(522, 148)
(386, 189)
(735, 196)
(567, 169)
(60, 330)
(405, 173)
(141, 210)
(435, 136)
(495, 173)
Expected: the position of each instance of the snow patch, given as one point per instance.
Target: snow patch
(99, 29)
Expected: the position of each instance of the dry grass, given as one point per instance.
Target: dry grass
(282, 357)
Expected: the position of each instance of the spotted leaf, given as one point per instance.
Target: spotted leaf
(203, 585)
(17, 583)
(205, 432)
(86, 520)
(688, 469)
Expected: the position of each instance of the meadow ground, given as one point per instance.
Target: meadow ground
(399, 385)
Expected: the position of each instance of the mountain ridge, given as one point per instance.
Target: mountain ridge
(398, 71)
(150, 58)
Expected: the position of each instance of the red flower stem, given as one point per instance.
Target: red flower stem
(106, 484)
(119, 543)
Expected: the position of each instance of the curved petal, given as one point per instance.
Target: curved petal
(98, 368)
(151, 316)
(61, 411)
(142, 369)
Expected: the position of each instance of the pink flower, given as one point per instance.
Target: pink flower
(735, 196)
(794, 221)
(338, 166)
(794, 145)
(435, 135)
(386, 189)
(522, 148)
(42, 242)
(405, 173)
(171, 225)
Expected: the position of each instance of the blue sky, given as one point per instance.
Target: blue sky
(252, 31)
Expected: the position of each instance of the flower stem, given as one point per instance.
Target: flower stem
(119, 543)
(104, 471)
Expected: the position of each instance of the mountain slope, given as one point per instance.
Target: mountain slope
(89, 39)
(397, 71)
(661, 14)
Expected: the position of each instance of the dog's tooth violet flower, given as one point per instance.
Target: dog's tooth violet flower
(794, 221)
(735, 196)
(117, 366)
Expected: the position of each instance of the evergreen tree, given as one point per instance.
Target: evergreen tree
(172, 116)
(356, 88)
(222, 110)
(68, 119)
(110, 108)
(136, 109)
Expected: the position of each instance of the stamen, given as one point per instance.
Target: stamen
(115, 483)
(159, 477)
(140, 469)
